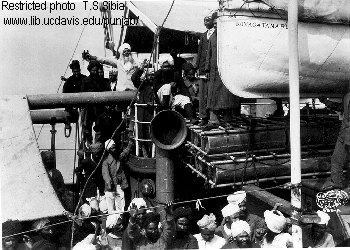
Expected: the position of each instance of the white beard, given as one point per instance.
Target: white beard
(127, 62)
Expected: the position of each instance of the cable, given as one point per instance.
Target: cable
(124, 118)
(67, 67)
(162, 205)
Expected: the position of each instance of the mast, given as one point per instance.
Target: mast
(294, 120)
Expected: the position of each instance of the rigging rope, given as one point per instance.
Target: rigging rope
(161, 205)
(58, 89)
(124, 118)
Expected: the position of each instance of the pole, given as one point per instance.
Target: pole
(164, 176)
(51, 101)
(294, 120)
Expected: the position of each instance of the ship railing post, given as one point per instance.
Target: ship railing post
(136, 131)
(294, 120)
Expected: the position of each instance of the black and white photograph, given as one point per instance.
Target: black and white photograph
(174, 124)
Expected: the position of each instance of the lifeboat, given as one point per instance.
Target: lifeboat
(253, 48)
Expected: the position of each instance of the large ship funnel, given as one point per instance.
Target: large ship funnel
(168, 132)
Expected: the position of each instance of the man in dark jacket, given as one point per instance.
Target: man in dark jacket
(220, 99)
(92, 83)
(183, 239)
(73, 83)
(200, 65)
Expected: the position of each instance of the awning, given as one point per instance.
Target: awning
(181, 29)
(184, 16)
(26, 191)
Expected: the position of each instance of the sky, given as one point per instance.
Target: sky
(34, 57)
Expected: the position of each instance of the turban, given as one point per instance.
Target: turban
(75, 64)
(207, 222)
(86, 244)
(324, 217)
(237, 197)
(96, 147)
(85, 210)
(11, 227)
(182, 212)
(39, 224)
(112, 220)
(238, 227)
(149, 218)
(123, 47)
(93, 64)
(275, 220)
(230, 209)
(109, 143)
(139, 202)
(48, 158)
(102, 204)
(187, 67)
(166, 58)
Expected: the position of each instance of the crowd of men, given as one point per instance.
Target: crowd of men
(100, 226)
(103, 222)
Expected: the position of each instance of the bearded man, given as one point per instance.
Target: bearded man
(207, 239)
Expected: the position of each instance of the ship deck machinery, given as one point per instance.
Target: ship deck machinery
(258, 150)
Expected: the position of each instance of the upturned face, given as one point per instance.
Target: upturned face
(243, 240)
(232, 218)
(126, 52)
(207, 235)
(242, 209)
(152, 231)
(10, 243)
(191, 75)
(166, 66)
(76, 72)
(94, 71)
(208, 23)
(101, 73)
(182, 225)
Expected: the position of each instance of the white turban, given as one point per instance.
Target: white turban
(238, 227)
(39, 224)
(275, 220)
(237, 197)
(229, 210)
(324, 217)
(207, 222)
(86, 244)
(166, 58)
(123, 47)
(85, 210)
(102, 204)
(139, 202)
(112, 220)
(109, 143)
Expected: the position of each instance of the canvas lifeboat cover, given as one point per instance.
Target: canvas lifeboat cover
(253, 56)
(26, 191)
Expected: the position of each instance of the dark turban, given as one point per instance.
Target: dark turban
(182, 212)
(187, 67)
(93, 64)
(11, 227)
(48, 158)
(97, 147)
(149, 218)
(75, 65)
